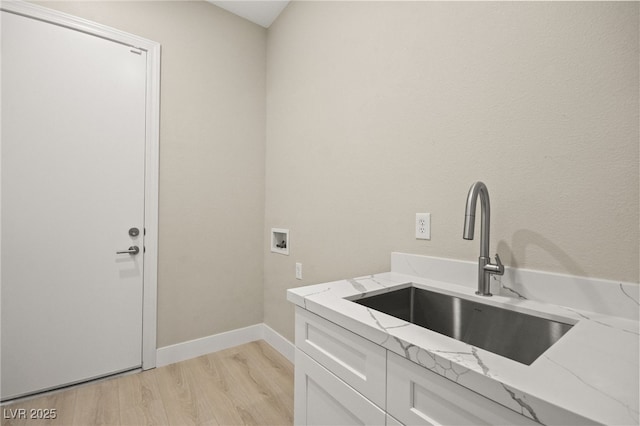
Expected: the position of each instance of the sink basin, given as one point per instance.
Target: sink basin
(515, 335)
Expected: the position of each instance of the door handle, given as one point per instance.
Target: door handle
(133, 250)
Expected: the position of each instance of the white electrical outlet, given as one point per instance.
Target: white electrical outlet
(298, 271)
(423, 226)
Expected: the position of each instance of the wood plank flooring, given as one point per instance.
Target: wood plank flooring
(251, 384)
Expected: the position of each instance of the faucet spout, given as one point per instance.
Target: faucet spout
(485, 267)
(478, 190)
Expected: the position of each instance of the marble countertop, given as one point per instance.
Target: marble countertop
(591, 375)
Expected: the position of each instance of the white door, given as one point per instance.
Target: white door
(73, 158)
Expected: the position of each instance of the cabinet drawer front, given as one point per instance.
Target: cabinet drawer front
(418, 396)
(323, 399)
(357, 361)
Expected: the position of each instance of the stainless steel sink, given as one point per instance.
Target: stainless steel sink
(515, 335)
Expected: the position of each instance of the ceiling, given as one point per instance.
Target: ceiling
(261, 12)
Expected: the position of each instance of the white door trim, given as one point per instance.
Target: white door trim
(150, 279)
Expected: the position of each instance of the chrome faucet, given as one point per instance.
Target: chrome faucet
(485, 267)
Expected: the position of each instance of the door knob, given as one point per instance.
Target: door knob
(133, 250)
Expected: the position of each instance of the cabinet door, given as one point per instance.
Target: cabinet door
(321, 398)
(354, 359)
(416, 396)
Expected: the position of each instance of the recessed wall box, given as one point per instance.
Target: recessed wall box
(280, 241)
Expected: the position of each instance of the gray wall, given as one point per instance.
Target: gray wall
(379, 110)
(212, 145)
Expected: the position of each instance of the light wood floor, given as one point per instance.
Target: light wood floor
(251, 384)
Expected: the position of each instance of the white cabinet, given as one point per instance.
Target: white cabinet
(339, 376)
(416, 395)
(359, 362)
(344, 379)
(321, 398)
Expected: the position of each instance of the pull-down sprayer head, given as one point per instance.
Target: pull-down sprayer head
(469, 222)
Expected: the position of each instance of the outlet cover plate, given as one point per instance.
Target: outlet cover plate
(298, 270)
(423, 226)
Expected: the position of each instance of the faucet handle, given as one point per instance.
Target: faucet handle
(499, 265)
(496, 269)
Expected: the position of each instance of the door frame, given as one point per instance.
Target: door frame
(152, 135)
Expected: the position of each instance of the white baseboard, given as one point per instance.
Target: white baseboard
(217, 342)
(279, 343)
